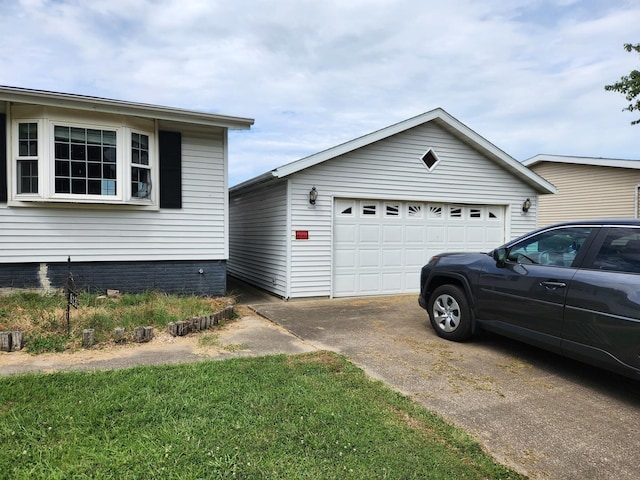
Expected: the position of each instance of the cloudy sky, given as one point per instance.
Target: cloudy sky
(528, 75)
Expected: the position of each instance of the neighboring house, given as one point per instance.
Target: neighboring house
(386, 202)
(587, 188)
(136, 195)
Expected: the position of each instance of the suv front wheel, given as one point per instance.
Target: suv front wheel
(449, 313)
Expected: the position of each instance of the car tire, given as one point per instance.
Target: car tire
(450, 313)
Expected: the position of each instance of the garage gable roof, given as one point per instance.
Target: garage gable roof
(593, 161)
(438, 115)
(105, 105)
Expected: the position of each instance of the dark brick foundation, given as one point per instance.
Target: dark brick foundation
(180, 277)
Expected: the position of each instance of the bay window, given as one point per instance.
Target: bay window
(90, 159)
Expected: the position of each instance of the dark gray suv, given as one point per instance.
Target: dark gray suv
(573, 288)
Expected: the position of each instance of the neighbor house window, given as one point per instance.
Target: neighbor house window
(92, 159)
(27, 158)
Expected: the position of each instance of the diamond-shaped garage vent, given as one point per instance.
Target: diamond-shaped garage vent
(430, 159)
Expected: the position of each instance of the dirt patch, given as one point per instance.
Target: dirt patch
(162, 346)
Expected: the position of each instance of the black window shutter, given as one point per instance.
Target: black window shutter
(3, 157)
(170, 144)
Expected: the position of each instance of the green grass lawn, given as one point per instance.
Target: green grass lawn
(311, 416)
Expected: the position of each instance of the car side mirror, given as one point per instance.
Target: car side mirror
(500, 256)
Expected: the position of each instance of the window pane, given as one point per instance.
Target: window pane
(109, 138)
(109, 155)
(27, 139)
(140, 182)
(94, 137)
(108, 187)
(23, 148)
(139, 149)
(78, 169)
(78, 135)
(94, 170)
(108, 171)
(61, 134)
(95, 187)
(79, 187)
(63, 185)
(62, 168)
(23, 131)
(62, 151)
(78, 152)
(93, 155)
(27, 176)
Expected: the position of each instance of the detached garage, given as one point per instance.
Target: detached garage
(363, 217)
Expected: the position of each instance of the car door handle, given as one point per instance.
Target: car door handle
(553, 285)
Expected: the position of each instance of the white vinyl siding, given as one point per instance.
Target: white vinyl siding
(587, 191)
(197, 231)
(258, 238)
(392, 169)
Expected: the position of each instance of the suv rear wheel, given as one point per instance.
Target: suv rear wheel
(449, 313)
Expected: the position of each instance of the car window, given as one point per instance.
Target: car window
(557, 247)
(620, 251)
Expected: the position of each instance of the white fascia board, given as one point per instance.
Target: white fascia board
(260, 179)
(120, 107)
(594, 161)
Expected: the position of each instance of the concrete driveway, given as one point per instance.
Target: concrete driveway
(539, 413)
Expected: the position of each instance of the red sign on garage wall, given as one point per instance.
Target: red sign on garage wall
(302, 234)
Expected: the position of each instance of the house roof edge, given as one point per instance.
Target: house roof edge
(106, 105)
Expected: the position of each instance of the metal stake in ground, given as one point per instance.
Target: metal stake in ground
(72, 295)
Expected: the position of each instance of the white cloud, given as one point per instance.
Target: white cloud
(528, 75)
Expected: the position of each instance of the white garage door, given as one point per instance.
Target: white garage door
(380, 246)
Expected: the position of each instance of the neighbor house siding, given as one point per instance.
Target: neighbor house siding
(587, 191)
(392, 169)
(51, 233)
(258, 237)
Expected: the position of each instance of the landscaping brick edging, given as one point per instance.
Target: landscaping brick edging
(13, 341)
(196, 324)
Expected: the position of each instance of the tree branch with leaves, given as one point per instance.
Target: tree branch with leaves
(629, 86)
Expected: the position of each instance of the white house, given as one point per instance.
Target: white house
(386, 202)
(134, 195)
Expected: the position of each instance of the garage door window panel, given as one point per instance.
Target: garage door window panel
(369, 210)
(415, 210)
(435, 212)
(455, 212)
(392, 210)
(345, 208)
